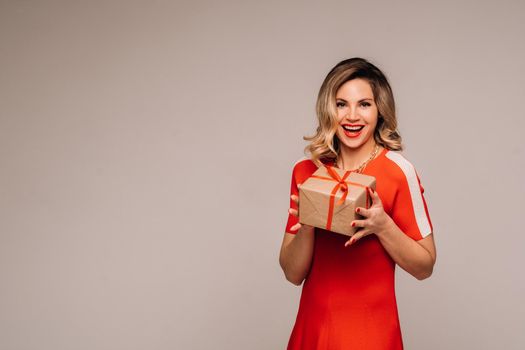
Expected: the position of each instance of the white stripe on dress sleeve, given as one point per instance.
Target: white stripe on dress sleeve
(415, 193)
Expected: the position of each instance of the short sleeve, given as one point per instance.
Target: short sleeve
(292, 220)
(409, 210)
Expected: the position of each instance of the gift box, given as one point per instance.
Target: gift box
(328, 199)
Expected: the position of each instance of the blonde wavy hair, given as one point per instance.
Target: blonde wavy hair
(325, 143)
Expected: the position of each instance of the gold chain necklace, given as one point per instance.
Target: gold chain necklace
(360, 168)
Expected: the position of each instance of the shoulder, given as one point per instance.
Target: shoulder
(303, 168)
(301, 161)
(401, 170)
(397, 160)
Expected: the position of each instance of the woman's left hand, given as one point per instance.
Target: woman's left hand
(376, 220)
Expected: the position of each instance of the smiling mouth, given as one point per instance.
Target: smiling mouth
(356, 128)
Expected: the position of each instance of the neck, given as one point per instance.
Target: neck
(354, 157)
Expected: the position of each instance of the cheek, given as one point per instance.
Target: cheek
(371, 116)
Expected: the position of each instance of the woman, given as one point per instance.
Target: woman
(348, 296)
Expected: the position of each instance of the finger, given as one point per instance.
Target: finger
(362, 211)
(295, 198)
(371, 193)
(359, 223)
(376, 200)
(293, 212)
(359, 235)
(356, 237)
(295, 227)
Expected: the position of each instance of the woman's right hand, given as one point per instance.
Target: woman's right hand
(298, 226)
(297, 249)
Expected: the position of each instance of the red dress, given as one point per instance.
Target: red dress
(348, 297)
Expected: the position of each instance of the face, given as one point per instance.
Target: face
(356, 114)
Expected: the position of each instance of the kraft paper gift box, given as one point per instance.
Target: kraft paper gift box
(329, 197)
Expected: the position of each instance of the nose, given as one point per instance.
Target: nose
(352, 115)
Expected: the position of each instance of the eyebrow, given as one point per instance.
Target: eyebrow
(361, 100)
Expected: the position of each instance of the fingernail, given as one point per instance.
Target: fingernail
(353, 224)
(357, 210)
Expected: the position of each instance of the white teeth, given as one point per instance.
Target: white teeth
(353, 128)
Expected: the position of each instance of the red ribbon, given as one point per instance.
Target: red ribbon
(341, 184)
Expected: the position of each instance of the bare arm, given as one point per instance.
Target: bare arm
(415, 257)
(296, 250)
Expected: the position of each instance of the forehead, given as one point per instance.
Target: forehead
(355, 89)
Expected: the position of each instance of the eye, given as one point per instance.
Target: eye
(340, 104)
(365, 104)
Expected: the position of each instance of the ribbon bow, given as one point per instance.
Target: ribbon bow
(342, 184)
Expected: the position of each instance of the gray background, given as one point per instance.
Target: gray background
(146, 150)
